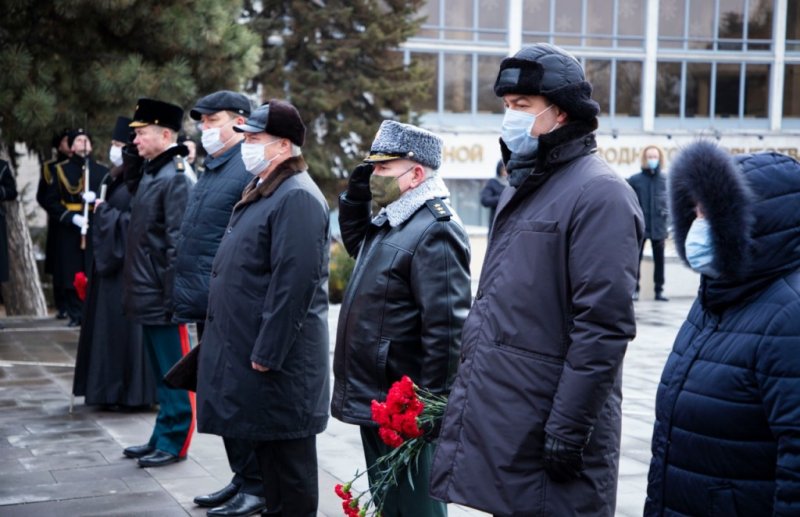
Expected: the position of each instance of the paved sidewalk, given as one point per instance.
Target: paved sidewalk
(53, 462)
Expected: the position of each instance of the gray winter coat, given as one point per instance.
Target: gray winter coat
(542, 347)
(207, 214)
(268, 304)
(151, 246)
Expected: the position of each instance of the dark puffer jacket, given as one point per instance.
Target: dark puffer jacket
(651, 189)
(207, 213)
(151, 247)
(727, 434)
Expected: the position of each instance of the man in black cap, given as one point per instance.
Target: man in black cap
(263, 366)
(204, 223)
(533, 422)
(60, 153)
(65, 200)
(151, 248)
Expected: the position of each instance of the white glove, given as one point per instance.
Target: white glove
(78, 220)
(89, 196)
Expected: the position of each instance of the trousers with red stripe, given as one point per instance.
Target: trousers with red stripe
(166, 344)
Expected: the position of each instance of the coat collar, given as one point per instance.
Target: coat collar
(255, 190)
(155, 165)
(216, 163)
(401, 210)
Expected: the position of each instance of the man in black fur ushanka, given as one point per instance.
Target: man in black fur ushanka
(407, 297)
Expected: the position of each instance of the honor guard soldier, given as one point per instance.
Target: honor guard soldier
(151, 248)
(61, 152)
(66, 199)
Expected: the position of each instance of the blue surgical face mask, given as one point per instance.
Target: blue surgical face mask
(517, 126)
(652, 163)
(699, 248)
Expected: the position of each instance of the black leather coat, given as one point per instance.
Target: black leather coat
(404, 307)
(151, 246)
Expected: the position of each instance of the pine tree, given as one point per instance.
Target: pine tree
(339, 62)
(81, 63)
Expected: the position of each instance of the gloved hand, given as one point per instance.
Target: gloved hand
(562, 461)
(89, 196)
(358, 184)
(78, 220)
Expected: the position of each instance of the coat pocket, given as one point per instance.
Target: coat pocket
(721, 502)
(381, 358)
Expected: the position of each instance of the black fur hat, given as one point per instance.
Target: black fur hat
(705, 174)
(552, 72)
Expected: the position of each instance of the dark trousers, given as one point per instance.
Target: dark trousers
(165, 345)
(243, 463)
(658, 264)
(289, 469)
(403, 500)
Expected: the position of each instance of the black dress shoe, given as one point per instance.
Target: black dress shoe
(239, 506)
(74, 323)
(62, 315)
(137, 451)
(159, 458)
(661, 298)
(217, 498)
(636, 296)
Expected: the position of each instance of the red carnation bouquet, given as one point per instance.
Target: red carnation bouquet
(405, 420)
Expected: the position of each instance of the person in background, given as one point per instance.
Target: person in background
(490, 195)
(157, 211)
(407, 297)
(533, 423)
(8, 192)
(650, 186)
(65, 199)
(62, 152)
(204, 224)
(263, 368)
(112, 369)
(727, 430)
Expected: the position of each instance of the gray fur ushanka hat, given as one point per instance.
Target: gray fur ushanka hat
(395, 141)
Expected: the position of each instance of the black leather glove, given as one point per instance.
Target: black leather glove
(563, 461)
(358, 184)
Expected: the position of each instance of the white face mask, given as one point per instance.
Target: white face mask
(517, 127)
(115, 155)
(254, 157)
(210, 139)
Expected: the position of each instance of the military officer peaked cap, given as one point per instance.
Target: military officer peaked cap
(395, 141)
(224, 100)
(159, 113)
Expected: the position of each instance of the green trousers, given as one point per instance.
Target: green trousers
(403, 500)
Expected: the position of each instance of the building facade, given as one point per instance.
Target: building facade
(664, 72)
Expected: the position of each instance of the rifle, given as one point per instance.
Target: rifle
(85, 227)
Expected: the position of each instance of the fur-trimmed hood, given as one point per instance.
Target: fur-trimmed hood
(752, 204)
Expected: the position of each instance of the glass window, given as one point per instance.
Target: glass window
(536, 18)
(759, 24)
(727, 90)
(629, 88)
(756, 91)
(465, 195)
(791, 91)
(599, 22)
(731, 24)
(599, 74)
(493, 20)
(631, 23)
(488, 102)
(793, 26)
(431, 63)
(458, 19)
(430, 13)
(568, 21)
(670, 23)
(701, 24)
(668, 89)
(458, 83)
(698, 89)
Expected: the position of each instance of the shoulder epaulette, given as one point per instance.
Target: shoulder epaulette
(439, 209)
(179, 165)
